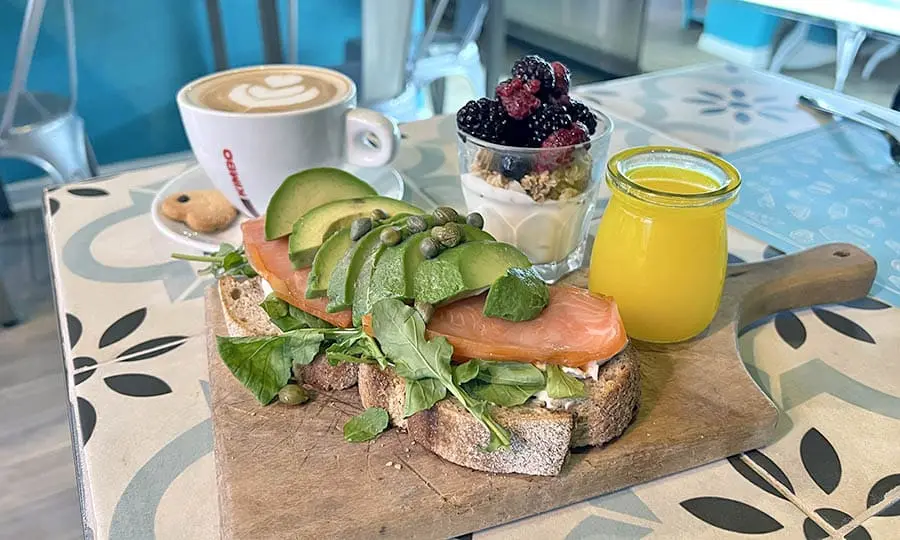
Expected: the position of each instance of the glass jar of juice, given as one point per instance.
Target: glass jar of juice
(662, 249)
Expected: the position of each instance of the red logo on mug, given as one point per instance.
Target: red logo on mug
(236, 180)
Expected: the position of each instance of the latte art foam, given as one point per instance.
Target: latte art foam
(269, 89)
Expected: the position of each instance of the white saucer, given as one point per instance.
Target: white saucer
(387, 181)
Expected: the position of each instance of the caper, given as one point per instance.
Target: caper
(291, 394)
(476, 220)
(449, 235)
(461, 220)
(390, 236)
(416, 224)
(425, 309)
(444, 214)
(430, 247)
(378, 215)
(360, 227)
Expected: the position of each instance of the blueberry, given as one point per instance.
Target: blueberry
(514, 167)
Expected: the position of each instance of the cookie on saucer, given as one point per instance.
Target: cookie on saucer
(204, 211)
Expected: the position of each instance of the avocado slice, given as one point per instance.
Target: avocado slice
(364, 296)
(342, 284)
(394, 275)
(306, 190)
(327, 258)
(519, 295)
(317, 225)
(466, 270)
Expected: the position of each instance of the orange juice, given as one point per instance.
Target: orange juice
(661, 249)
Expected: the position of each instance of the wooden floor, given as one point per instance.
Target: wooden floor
(38, 498)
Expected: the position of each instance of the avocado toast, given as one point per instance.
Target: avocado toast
(447, 332)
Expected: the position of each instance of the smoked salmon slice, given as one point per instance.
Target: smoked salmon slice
(575, 328)
(270, 259)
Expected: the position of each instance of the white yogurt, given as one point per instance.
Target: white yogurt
(545, 231)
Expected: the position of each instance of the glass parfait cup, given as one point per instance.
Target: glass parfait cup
(540, 200)
(661, 249)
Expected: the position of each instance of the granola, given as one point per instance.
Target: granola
(563, 183)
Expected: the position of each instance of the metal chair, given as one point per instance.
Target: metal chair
(42, 128)
(445, 54)
(39, 127)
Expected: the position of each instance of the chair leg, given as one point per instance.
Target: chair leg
(5, 210)
(7, 317)
(886, 51)
(93, 166)
(789, 46)
(849, 38)
(437, 87)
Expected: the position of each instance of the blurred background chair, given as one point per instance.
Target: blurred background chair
(439, 55)
(39, 127)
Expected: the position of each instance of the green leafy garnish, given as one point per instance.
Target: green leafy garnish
(401, 332)
(367, 425)
(227, 261)
(287, 317)
(562, 385)
(511, 373)
(422, 394)
(504, 395)
(463, 373)
(263, 363)
(519, 295)
(357, 348)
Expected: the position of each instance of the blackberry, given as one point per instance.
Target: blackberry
(546, 120)
(580, 113)
(514, 167)
(484, 119)
(561, 74)
(533, 67)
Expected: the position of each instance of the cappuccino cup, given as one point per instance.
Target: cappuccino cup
(250, 128)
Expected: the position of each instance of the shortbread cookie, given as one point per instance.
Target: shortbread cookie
(204, 210)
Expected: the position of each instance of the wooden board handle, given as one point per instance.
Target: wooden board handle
(820, 275)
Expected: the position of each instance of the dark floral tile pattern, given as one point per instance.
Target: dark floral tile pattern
(821, 463)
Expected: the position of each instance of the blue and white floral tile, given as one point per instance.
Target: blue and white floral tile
(143, 423)
(720, 500)
(718, 107)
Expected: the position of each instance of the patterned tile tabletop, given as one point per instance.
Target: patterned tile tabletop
(132, 322)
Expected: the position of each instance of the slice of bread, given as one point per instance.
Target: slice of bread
(541, 437)
(244, 317)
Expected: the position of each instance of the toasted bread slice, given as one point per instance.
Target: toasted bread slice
(244, 317)
(541, 437)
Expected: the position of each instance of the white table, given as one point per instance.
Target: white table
(853, 19)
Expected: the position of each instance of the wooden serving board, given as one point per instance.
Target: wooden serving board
(286, 472)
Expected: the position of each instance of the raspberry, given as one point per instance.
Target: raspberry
(550, 160)
(547, 119)
(577, 133)
(533, 67)
(580, 113)
(518, 97)
(486, 120)
(561, 76)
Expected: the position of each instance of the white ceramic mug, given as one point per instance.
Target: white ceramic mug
(250, 128)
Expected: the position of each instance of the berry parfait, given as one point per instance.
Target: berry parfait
(531, 163)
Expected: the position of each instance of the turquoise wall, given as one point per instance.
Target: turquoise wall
(739, 22)
(134, 55)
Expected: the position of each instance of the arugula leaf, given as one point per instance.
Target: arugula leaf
(287, 317)
(360, 349)
(510, 373)
(401, 332)
(421, 394)
(227, 261)
(562, 385)
(302, 348)
(263, 363)
(505, 395)
(367, 425)
(463, 373)
(259, 363)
